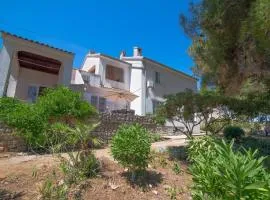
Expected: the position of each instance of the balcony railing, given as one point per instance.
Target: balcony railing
(91, 78)
(115, 84)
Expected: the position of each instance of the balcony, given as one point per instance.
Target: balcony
(91, 79)
(115, 84)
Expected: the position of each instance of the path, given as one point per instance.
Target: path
(9, 165)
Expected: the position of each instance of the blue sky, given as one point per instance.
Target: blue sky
(106, 26)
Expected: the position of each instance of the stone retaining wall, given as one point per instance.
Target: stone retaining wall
(111, 121)
(9, 141)
(109, 124)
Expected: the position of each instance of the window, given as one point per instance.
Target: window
(34, 92)
(114, 73)
(157, 77)
(99, 103)
(102, 104)
(94, 101)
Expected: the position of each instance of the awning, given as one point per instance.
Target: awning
(116, 94)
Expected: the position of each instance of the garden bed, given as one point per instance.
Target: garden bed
(24, 179)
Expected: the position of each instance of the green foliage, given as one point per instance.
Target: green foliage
(221, 173)
(176, 168)
(35, 122)
(79, 166)
(230, 41)
(199, 145)
(154, 137)
(63, 102)
(131, 147)
(51, 189)
(173, 192)
(233, 132)
(190, 109)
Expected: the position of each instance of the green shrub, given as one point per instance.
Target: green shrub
(259, 144)
(201, 145)
(131, 147)
(233, 132)
(63, 102)
(36, 122)
(50, 189)
(79, 166)
(221, 173)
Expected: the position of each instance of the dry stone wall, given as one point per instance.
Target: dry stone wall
(111, 121)
(9, 141)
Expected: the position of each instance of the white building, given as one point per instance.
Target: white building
(27, 67)
(105, 81)
(149, 80)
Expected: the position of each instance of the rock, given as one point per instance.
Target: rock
(150, 186)
(113, 186)
(155, 192)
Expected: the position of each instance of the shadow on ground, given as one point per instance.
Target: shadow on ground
(178, 153)
(144, 179)
(7, 195)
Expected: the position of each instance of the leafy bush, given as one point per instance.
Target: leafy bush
(233, 132)
(261, 145)
(199, 145)
(63, 102)
(221, 173)
(36, 122)
(131, 147)
(79, 166)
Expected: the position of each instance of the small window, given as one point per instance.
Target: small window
(94, 101)
(34, 92)
(102, 104)
(157, 77)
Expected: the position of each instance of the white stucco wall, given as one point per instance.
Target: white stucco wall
(9, 69)
(171, 82)
(100, 62)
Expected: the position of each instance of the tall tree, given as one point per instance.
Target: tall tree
(230, 41)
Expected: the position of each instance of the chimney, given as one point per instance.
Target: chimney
(137, 51)
(92, 51)
(122, 54)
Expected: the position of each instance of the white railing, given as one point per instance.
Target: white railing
(115, 84)
(91, 78)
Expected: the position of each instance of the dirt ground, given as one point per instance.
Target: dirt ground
(21, 178)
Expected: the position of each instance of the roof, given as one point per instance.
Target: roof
(158, 63)
(36, 42)
(107, 56)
